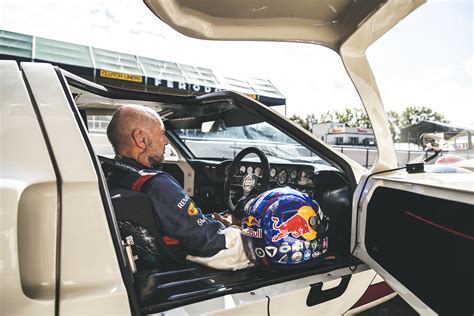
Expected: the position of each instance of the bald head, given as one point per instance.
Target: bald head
(136, 131)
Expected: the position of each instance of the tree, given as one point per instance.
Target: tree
(326, 117)
(306, 123)
(394, 120)
(414, 114)
(353, 117)
(300, 121)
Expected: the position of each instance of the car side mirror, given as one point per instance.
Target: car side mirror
(213, 126)
(433, 142)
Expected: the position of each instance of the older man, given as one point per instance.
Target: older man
(137, 135)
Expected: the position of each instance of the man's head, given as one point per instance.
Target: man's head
(138, 132)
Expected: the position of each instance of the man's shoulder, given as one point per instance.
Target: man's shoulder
(165, 182)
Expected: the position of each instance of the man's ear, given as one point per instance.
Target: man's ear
(139, 138)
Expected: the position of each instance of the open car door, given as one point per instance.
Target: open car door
(416, 231)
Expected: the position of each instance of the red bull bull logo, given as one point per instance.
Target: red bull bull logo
(296, 225)
(252, 221)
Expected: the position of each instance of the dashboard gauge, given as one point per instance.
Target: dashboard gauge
(242, 169)
(303, 174)
(293, 174)
(282, 177)
(249, 169)
(273, 172)
(258, 171)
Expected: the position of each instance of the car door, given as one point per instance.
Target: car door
(414, 229)
(417, 232)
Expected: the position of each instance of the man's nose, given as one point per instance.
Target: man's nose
(165, 141)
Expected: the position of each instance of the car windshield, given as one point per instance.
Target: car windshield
(226, 143)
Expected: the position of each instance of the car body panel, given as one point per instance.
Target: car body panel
(445, 186)
(89, 248)
(29, 196)
(287, 297)
(327, 23)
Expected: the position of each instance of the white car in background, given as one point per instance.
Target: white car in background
(61, 249)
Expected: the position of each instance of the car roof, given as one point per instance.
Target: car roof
(329, 23)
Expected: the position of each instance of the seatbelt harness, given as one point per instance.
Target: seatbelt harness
(135, 178)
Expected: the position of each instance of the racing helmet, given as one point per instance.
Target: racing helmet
(284, 228)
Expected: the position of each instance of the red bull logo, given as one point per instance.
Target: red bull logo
(252, 221)
(252, 233)
(296, 225)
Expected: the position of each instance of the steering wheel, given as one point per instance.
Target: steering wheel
(250, 184)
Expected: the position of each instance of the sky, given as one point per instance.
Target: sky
(425, 60)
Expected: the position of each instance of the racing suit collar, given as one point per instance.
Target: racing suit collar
(134, 163)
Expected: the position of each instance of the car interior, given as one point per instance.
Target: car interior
(163, 278)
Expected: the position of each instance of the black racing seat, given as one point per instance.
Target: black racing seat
(136, 217)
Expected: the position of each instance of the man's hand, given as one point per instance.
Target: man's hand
(226, 219)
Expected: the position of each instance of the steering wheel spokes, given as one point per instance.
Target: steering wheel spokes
(250, 184)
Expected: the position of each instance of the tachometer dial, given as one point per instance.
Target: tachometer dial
(282, 177)
(249, 169)
(258, 171)
(273, 172)
(242, 169)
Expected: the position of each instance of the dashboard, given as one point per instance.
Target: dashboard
(314, 179)
(280, 174)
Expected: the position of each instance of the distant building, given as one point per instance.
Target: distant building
(132, 72)
(461, 137)
(340, 134)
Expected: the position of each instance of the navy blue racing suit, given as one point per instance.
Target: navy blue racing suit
(181, 219)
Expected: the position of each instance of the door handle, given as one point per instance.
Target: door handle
(317, 295)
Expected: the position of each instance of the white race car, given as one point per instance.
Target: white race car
(62, 251)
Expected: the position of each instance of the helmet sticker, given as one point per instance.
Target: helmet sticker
(297, 256)
(307, 244)
(297, 246)
(252, 221)
(259, 252)
(285, 247)
(316, 254)
(297, 225)
(307, 254)
(252, 233)
(271, 251)
(283, 259)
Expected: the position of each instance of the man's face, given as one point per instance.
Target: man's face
(155, 150)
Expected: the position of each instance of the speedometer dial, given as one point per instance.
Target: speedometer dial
(242, 169)
(249, 169)
(282, 177)
(258, 171)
